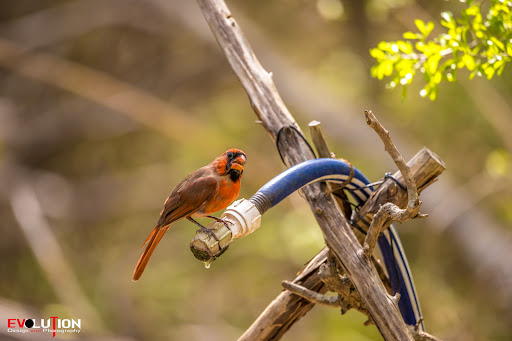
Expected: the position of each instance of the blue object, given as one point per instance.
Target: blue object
(389, 243)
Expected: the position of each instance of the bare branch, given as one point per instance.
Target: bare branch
(311, 295)
(389, 211)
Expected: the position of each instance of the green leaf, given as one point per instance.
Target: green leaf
(411, 35)
(384, 46)
(429, 28)
(374, 71)
(433, 93)
(509, 49)
(377, 53)
(404, 47)
(469, 61)
(498, 43)
(421, 26)
(501, 68)
(489, 72)
(473, 10)
(450, 76)
(387, 67)
(498, 64)
(420, 46)
(437, 77)
(432, 63)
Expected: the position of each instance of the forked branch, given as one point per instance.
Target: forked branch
(389, 211)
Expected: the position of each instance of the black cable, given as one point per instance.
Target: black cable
(278, 137)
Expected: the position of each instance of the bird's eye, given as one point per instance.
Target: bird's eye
(229, 155)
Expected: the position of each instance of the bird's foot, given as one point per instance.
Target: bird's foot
(220, 220)
(209, 232)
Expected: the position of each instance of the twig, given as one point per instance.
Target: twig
(311, 295)
(420, 335)
(342, 285)
(389, 211)
(322, 148)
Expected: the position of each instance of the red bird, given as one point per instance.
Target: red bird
(207, 190)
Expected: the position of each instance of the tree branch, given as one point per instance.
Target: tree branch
(311, 295)
(389, 211)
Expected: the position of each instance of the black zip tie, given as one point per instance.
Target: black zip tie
(388, 175)
(278, 137)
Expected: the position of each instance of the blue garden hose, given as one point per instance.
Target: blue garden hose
(389, 243)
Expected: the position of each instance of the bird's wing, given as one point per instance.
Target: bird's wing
(188, 197)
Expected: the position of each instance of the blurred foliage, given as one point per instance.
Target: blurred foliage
(480, 43)
(102, 176)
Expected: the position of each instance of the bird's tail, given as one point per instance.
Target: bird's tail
(152, 241)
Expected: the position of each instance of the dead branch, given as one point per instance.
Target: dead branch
(311, 295)
(421, 335)
(389, 211)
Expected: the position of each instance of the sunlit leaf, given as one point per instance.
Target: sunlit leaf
(489, 72)
(432, 63)
(498, 43)
(469, 61)
(411, 35)
(404, 47)
(421, 26)
(377, 53)
(429, 28)
(433, 93)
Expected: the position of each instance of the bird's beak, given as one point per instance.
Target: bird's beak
(238, 163)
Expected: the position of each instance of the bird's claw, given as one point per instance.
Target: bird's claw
(220, 220)
(226, 223)
(210, 233)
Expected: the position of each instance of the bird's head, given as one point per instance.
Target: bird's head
(232, 163)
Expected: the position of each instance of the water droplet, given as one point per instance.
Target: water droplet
(207, 265)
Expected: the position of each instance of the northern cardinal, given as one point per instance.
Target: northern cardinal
(207, 190)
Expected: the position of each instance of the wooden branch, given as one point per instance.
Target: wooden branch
(389, 211)
(270, 109)
(320, 143)
(312, 296)
(412, 193)
(421, 335)
(287, 308)
(319, 140)
(341, 285)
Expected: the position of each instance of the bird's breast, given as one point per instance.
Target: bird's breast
(227, 193)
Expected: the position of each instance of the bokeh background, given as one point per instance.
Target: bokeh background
(106, 104)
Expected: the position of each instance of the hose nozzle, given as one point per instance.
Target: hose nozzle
(242, 218)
